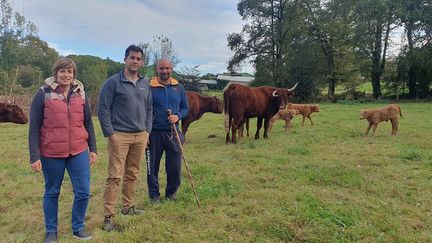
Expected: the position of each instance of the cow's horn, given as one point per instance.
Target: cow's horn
(293, 87)
(274, 94)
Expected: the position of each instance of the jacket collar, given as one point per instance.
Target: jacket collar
(125, 79)
(154, 82)
(77, 86)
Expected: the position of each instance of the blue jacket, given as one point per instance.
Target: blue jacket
(171, 97)
(125, 106)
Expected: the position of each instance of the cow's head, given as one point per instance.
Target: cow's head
(363, 114)
(315, 108)
(12, 113)
(283, 95)
(216, 104)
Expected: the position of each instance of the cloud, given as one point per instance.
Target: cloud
(198, 29)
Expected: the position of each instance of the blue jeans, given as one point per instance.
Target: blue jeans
(78, 168)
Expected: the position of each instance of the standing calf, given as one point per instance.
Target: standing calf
(286, 115)
(305, 110)
(375, 116)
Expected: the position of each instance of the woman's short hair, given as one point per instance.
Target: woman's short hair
(64, 62)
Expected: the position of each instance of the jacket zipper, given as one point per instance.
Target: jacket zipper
(69, 123)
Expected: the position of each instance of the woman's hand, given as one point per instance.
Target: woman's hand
(93, 158)
(36, 166)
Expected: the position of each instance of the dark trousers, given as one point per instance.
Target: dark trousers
(161, 141)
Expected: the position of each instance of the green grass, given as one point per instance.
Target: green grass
(323, 183)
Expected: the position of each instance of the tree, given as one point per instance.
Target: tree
(92, 72)
(416, 18)
(374, 20)
(264, 36)
(162, 47)
(189, 77)
(328, 26)
(24, 57)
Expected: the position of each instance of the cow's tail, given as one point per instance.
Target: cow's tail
(400, 110)
(227, 123)
(226, 102)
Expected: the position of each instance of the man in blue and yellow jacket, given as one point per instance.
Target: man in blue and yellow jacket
(170, 105)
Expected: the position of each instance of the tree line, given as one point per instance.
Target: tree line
(26, 59)
(329, 43)
(320, 44)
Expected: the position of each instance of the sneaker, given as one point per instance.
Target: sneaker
(172, 197)
(155, 200)
(82, 235)
(108, 224)
(132, 211)
(51, 237)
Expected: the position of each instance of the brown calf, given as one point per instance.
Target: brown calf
(375, 116)
(305, 110)
(286, 115)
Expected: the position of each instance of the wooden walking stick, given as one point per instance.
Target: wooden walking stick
(174, 128)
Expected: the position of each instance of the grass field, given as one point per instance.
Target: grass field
(323, 183)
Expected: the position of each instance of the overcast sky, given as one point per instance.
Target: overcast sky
(104, 28)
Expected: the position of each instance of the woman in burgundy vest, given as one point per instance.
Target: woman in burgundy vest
(61, 137)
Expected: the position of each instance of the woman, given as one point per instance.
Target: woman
(61, 136)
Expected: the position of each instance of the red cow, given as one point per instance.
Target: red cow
(12, 113)
(243, 102)
(198, 105)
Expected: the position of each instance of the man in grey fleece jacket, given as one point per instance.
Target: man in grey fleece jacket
(125, 113)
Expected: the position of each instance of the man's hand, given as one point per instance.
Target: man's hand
(36, 166)
(93, 158)
(173, 119)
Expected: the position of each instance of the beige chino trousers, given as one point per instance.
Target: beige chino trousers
(125, 152)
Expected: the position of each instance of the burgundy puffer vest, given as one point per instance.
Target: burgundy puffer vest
(63, 132)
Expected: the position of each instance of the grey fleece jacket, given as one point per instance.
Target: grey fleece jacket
(125, 106)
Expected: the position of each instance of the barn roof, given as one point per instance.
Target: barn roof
(208, 81)
(235, 78)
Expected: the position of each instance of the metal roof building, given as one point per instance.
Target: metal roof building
(244, 79)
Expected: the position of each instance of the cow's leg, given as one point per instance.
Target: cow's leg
(369, 127)
(233, 134)
(247, 127)
(310, 119)
(286, 125)
(374, 127)
(266, 125)
(272, 121)
(259, 125)
(228, 124)
(234, 126)
(394, 123)
(185, 125)
(241, 129)
(303, 119)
